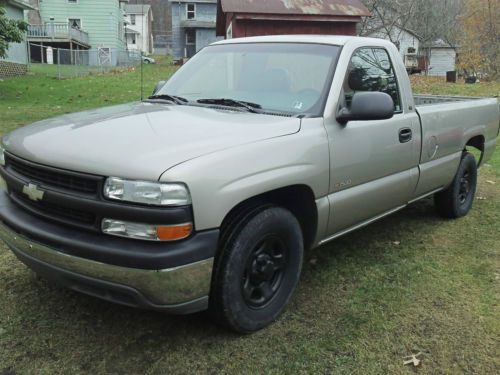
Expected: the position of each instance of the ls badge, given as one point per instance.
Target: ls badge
(31, 190)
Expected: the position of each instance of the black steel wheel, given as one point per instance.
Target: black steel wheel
(456, 201)
(257, 269)
(264, 271)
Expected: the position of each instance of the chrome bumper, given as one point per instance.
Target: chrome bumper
(187, 285)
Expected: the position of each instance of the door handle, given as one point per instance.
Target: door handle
(405, 135)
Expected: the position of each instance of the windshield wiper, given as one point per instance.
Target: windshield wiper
(250, 107)
(173, 98)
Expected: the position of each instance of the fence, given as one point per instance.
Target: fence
(67, 63)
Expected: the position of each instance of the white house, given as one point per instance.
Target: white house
(406, 41)
(138, 30)
(441, 56)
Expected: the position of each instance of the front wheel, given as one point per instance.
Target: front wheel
(257, 270)
(456, 201)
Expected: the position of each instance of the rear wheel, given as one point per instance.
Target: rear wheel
(456, 201)
(257, 270)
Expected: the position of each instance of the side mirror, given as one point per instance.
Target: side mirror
(159, 86)
(371, 105)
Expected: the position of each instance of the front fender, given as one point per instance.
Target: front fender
(220, 181)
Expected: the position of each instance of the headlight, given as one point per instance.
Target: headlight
(147, 232)
(152, 193)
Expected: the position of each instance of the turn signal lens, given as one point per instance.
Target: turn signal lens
(148, 232)
(172, 233)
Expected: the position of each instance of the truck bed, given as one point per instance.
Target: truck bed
(421, 100)
(448, 122)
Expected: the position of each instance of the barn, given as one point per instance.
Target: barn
(236, 18)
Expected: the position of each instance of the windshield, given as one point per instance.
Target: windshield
(277, 77)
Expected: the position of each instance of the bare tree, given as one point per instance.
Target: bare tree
(431, 20)
(388, 17)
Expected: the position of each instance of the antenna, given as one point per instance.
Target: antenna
(142, 78)
(140, 53)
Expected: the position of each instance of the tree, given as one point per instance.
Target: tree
(388, 17)
(429, 19)
(479, 40)
(11, 31)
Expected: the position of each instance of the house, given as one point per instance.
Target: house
(237, 18)
(441, 57)
(16, 62)
(407, 42)
(161, 26)
(138, 31)
(77, 25)
(193, 26)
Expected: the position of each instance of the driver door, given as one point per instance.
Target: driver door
(373, 164)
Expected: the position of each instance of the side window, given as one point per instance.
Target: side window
(371, 69)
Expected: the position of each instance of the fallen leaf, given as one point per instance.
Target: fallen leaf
(412, 359)
(313, 261)
(490, 182)
(397, 243)
(481, 198)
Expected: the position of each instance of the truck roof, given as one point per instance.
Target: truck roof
(338, 40)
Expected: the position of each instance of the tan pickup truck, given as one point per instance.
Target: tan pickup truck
(206, 195)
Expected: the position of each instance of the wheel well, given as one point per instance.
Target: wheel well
(298, 199)
(478, 143)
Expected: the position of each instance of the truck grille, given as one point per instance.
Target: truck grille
(55, 211)
(71, 184)
(53, 178)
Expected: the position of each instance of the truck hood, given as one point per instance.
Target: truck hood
(140, 140)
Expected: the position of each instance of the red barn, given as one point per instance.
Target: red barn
(240, 18)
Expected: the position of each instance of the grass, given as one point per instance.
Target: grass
(438, 86)
(39, 95)
(72, 71)
(409, 283)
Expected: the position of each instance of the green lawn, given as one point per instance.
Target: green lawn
(39, 95)
(409, 283)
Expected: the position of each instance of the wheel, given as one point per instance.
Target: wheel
(257, 269)
(456, 201)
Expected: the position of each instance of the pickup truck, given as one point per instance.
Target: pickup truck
(206, 195)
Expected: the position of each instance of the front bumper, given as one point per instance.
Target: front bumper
(180, 284)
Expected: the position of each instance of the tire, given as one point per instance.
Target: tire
(257, 269)
(456, 201)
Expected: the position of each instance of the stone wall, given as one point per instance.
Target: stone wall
(10, 69)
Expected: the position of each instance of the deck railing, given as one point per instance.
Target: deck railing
(58, 31)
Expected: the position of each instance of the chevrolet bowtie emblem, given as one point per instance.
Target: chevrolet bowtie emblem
(31, 190)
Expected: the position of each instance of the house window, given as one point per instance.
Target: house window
(73, 1)
(191, 11)
(133, 39)
(132, 19)
(75, 23)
